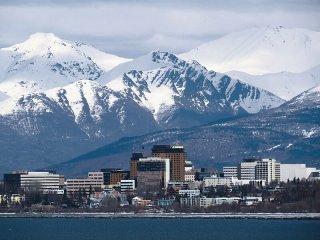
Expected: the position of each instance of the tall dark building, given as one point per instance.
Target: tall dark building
(12, 182)
(177, 156)
(153, 174)
(133, 164)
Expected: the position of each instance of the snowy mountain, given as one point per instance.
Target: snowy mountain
(84, 108)
(289, 133)
(169, 86)
(260, 51)
(175, 94)
(284, 84)
(45, 61)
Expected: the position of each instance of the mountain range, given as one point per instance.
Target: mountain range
(60, 99)
(290, 133)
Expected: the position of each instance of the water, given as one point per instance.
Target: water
(156, 229)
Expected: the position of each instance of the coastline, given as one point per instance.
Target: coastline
(262, 216)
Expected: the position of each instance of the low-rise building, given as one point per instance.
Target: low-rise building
(247, 200)
(190, 202)
(225, 200)
(35, 181)
(127, 185)
(190, 175)
(215, 181)
(189, 193)
(73, 185)
(291, 171)
(165, 202)
(139, 201)
(206, 202)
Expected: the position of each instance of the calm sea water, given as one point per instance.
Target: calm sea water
(156, 229)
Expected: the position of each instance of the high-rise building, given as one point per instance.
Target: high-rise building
(12, 182)
(153, 174)
(133, 164)
(177, 156)
(259, 169)
(268, 169)
(247, 169)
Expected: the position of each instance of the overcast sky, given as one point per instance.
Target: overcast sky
(132, 28)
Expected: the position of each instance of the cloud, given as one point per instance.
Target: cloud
(131, 29)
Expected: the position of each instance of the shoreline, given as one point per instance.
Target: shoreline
(262, 216)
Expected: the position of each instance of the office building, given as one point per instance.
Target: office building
(11, 182)
(113, 176)
(247, 169)
(268, 169)
(177, 156)
(34, 181)
(153, 174)
(74, 185)
(230, 172)
(133, 164)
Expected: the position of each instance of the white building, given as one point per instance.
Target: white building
(190, 193)
(260, 169)
(206, 202)
(188, 166)
(189, 175)
(268, 169)
(240, 182)
(127, 185)
(291, 171)
(224, 200)
(190, 202)
(214, 181)
(39, 181)
(247, 169)
(229, 172)
(251, 200)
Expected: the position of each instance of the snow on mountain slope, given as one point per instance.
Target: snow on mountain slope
(175, 85)
(90, 109)
(45, 61)
(284, 84)
(3, 96)
(105, 61)
(260, 50)
(101, 112)
(311, 95)
(144, 63)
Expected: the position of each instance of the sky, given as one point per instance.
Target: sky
(133, 28)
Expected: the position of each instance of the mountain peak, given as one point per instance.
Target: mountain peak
(41, 36)
(41, 40)
(257, 51)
